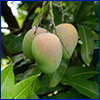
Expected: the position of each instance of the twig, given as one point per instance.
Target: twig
(52, 18)
(61, 7)
(50, 25)
(40, 16)
(10, 28)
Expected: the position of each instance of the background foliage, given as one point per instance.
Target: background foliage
(78, 79)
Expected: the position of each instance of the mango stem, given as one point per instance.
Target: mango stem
(52, 19)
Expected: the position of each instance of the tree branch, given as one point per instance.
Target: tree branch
(8, 16)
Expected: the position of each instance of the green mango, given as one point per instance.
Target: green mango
(47, 51)
(27, 41)
(69, 36)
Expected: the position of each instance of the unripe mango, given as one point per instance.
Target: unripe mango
(69, 37)
(27, 41)
(47, 51)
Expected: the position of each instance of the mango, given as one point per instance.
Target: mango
(69, 37)
(47, 52)
(27, 41)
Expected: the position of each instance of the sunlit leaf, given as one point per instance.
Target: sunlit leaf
(23, 88)
(7, 82)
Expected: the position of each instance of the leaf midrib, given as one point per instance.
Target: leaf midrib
(23, 90)
(5, 81)
(84, 73)
(85, 43)
(82, 87)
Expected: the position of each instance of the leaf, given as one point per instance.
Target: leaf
(82, 10)
(56, 77)
(96, 8)
(32, 96)
(87, 48)
(8, 38)
(7, 82)
(87, 88)
(80, 73)
(44, 86)
(15, 45)
(17, 58)
(96, 45)
(23, 88)
(71, 94)
(37, 17)
(35, 71)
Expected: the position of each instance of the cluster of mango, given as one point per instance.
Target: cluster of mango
(46, 47)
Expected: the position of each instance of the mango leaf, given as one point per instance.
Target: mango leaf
(81, 11)
(85, 87)
(71, 94)
(8, 38)
(80, 72)
(96, 8)
(35, 22)
(32, 96)
(15, 45)
(56, 77)
(44, 86)
(7, 82)
(35, 71)
(23, 88)
(87, 39)
(96, 45)
(17, 58)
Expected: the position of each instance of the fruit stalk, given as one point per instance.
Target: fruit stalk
(52, 19)
(40, 16)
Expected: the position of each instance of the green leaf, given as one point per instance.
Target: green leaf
(71, 94)
(56, 77)
(80, 73)
(82, 10)
(23, 88)
(96, 8)
(87, 39)
(17, 58)
(85, 87)
(7, 82)
(37, 17)
(44, 83)
(96, 45)
(15, 45)
(8, 38)
(32, 96)
(35, 71)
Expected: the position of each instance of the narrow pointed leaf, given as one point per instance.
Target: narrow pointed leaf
(80, 72)
(7, 82)
(56, 77)
(23, 88)
(87, 88)
(87, 39)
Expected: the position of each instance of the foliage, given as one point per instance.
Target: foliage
(74, 79)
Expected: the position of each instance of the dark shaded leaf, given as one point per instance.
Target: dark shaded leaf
(15, 45)
(85, 87)
(87, 39)
(80, 73)
(56, 77)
